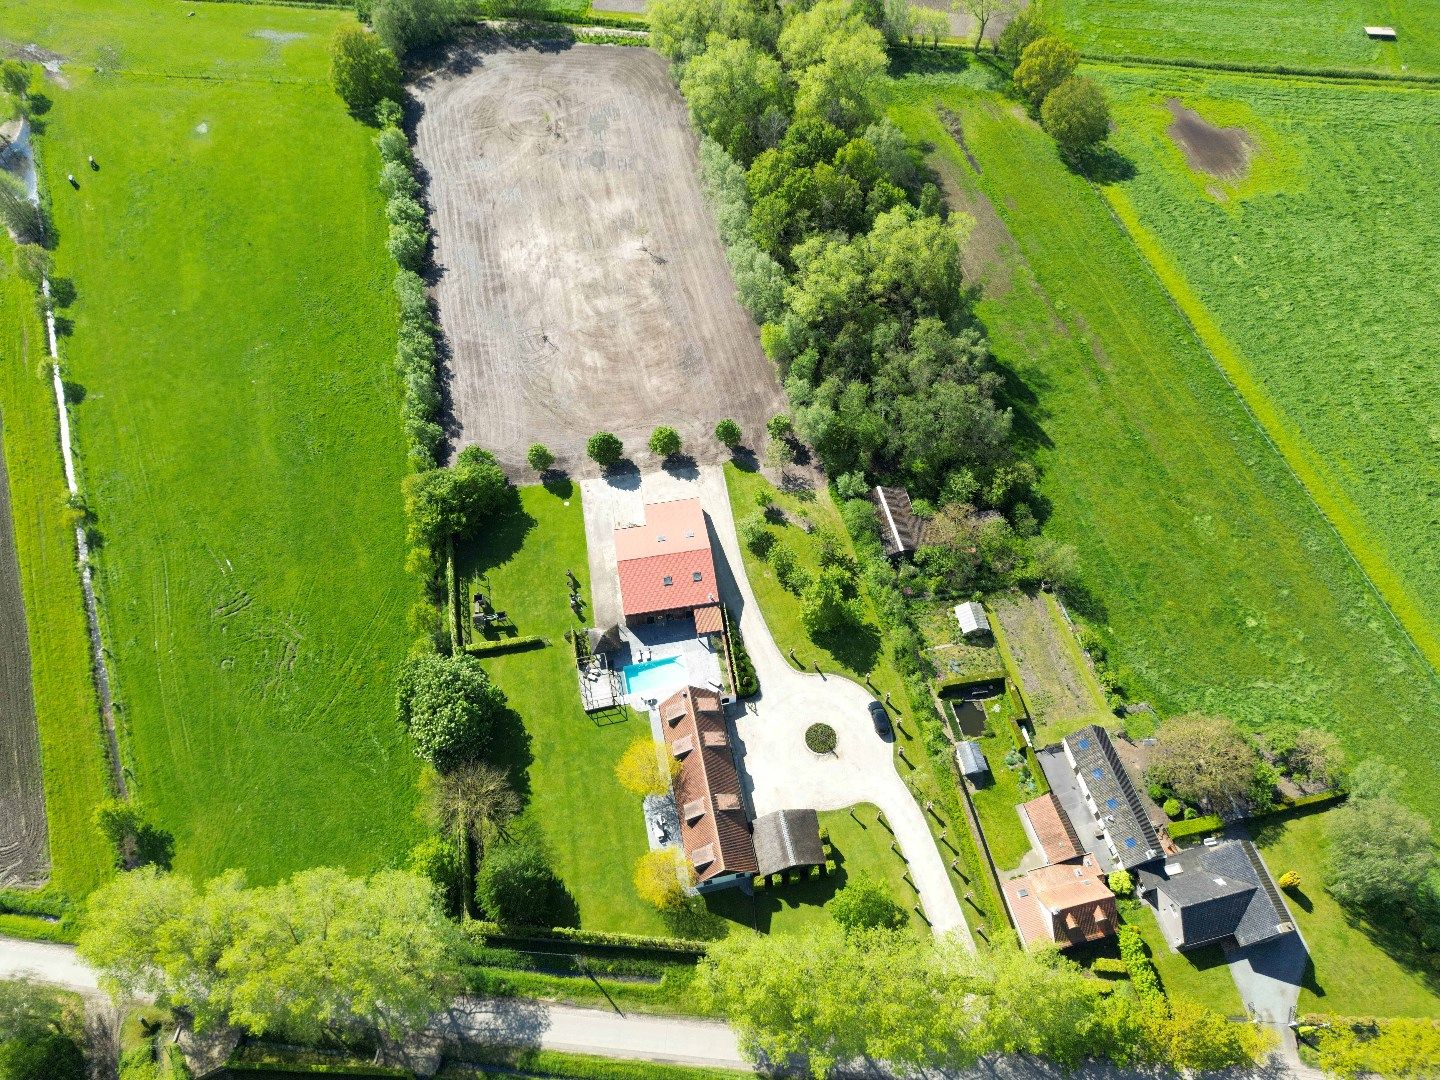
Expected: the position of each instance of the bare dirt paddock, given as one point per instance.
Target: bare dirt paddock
(582, 285)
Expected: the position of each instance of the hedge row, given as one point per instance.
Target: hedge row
(490, 933)
(34, 928)
(284, 1068)
(417, 354)
(1143, 976)
(44, 902)
(505, 645)
(1209, 823)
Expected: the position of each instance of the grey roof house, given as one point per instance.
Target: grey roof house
(1221, 894)
(1111, 797)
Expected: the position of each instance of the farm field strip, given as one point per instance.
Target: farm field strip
(1325, 342)
(71, 761)
(240, 440)
(1321, 34)
(1147, 455)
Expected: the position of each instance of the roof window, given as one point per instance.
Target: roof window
(695, 575)
(669, 580)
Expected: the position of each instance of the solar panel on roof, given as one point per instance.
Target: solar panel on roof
(1112, 803)
(1084, 744)
(1097, 773)
(1129, 841)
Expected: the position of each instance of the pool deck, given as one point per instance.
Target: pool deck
(696, 666)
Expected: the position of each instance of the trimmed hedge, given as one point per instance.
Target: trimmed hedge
(1136, 960)
(282, 1068)
(1110, 965)
(1200, 826)
(486, 932)
(506, 645)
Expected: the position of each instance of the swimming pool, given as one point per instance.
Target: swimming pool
(653, 677)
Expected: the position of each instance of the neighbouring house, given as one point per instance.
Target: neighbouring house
(786, 840)
(901, 529)
(1221, 894)
(1110, 795)
(971, 760)
(1050, 829)
(1064, 904)
(972, 619)
(666, 567)
(714, 829)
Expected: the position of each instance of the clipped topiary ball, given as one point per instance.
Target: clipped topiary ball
(820, 738)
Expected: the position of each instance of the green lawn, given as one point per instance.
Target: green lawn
(1359, 970)
(861, 848)
(1318, 328)
(239, 432)
(71, 741)
(1200, 974)
(1268, 33)
(593, 827)
(1212, 579)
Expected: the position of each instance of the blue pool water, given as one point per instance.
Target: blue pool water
(652, 677)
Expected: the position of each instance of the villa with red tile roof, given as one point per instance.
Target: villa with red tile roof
(714, 830)
(666, 567)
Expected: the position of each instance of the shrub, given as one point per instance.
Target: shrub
(362, 70)
(18, 213)
(604, 449)
(664, 442)
(438, 860)
(748, 682)
(1289, 880)
(1172, 808)
(450, 707)
(49, 1057)
(1120, 882)
(1198, 826)
(516, 886)
(756, 535)
(788, 571)
(539, 457)
(393, 146)
(820, 738)
(405, 210)
(407, 244)
(728, 433)
(865, 904)
(406, 25)
(661, 876)
(779, 426)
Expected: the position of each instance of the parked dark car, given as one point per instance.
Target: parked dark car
(881, 719)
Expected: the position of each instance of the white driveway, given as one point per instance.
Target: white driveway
(780, 772)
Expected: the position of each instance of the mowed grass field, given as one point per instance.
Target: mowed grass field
(239, 433)
(1305, 279)
(1325, 34)
(594, 828)
(66, 712)
(1213, 580)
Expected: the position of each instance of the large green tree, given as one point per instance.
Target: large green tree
(737, 94)
(321, 956)
(682, 29)
(1076, 115)
(362, 70)
(1380, 852)
(1206, 760)
(450, 707)
(865, 904)
(406, 25)
(1045, 64)
(517, 886)
(441, 503)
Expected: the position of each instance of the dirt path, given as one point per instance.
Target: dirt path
(582, 285)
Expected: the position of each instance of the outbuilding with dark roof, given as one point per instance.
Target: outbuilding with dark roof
(787, 839)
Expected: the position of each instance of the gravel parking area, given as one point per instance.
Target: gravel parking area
(582, 285)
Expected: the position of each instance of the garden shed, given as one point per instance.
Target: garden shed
(971, 759)
(901, 529)
(785, 839)
(972, 618)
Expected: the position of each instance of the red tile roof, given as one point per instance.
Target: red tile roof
(666, 564)
(713, 828)
(1067, 903)
(1052, 829)
(708, 619)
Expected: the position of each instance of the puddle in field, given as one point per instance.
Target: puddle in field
(1223, 153)
(202, 128)
(278, 37)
